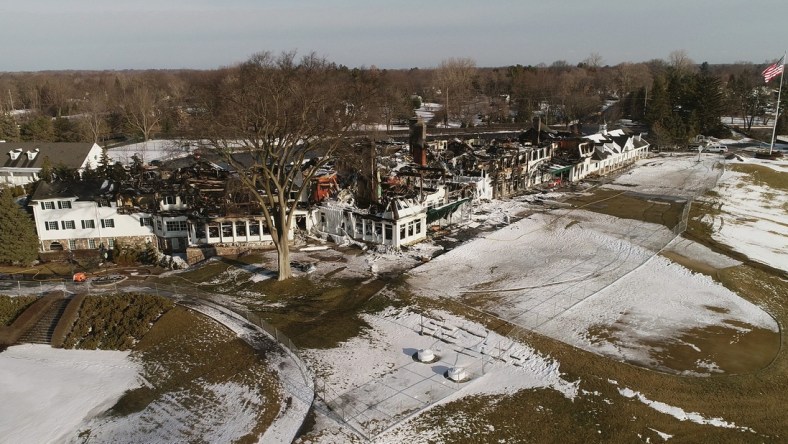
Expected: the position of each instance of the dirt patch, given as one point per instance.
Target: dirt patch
(691, 264)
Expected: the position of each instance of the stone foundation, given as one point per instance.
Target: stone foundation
(197, 254)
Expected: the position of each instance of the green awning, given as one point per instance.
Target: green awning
(557, 171)
(434, 214)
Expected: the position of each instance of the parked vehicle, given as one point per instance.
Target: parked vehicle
(714, 147)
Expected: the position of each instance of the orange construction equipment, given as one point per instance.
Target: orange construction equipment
(80, 277)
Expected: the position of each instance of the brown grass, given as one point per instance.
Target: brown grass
(763, 175)
(630, 206)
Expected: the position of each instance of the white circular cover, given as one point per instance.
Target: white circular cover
(425, 355)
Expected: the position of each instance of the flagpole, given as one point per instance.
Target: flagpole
(777, 109)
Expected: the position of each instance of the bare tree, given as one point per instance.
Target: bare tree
(680, 61)
(630, 77)
(286, 118)
(594, 60)
(454, 77)
(94, 116)
(142, 109)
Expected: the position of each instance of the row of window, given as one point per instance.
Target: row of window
(70, 224)
(178, 225)
(61, 205)
(72, 244)
(226, 229)
(364, 227)
(413, 228)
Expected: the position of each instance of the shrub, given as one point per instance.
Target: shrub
(12, 307)
(115, 322)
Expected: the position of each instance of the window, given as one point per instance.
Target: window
(254, 228)
(402, 232)
(410, 229)
(359, 227)
(56, 246)
(64, 204)
(50, 225)
(213, 230)
(68, 224)
(107, 223)
(240, 228)
(199, 231)
(88, 223)
(158, 224)
(227, 229)
(418, 227)
(47, 205)
(146, 221)
(388, 231)
(169, 200)
(92, 243)
(177, 225)
(378, 228)
(111, 242)
(72, 244)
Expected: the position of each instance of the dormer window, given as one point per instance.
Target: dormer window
(32, 154)
(15, 153)
(169, 200)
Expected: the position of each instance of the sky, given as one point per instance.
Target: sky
(204, 34)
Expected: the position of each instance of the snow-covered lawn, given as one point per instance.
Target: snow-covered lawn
(373, 381)
(46, 392)
(752, 218)
(596, 281)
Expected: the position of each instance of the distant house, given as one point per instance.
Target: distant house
(21, 162)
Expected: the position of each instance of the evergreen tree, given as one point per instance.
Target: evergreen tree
(18, 239)
(47, 173)
(66, 131)
(38, 129)
(8, 129)
(657, 107)
(708, 103)
(64, 173)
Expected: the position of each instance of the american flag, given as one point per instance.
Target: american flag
(773, 70)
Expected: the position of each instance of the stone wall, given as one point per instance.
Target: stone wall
(197, 254)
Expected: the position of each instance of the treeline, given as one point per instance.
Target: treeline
(676, 97)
